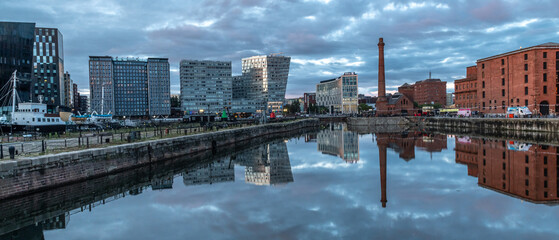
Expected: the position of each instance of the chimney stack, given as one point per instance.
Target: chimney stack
(381, 81)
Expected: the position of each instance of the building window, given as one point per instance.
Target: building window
(503, 104)
(503, 82)
(483, 105)
(544, 54)
(502, 71)
(527, 171)
(526, 67)
(525, 78)
(544, 65)
(525, 56)
(545, 77)
(503, 92)
(483, 64)
(544, 89)
(525, 90)
(526, 102)
(526, 159)
(483, 84)
(545, 172)
(483, 94)
(502, 61)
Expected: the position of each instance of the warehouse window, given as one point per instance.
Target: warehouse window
(503, 82)
(502, 61)
(525, 78)
(525, 56)
(525, 90)
(544, 54)
(544, 65)
(526, 67)
(544, 89)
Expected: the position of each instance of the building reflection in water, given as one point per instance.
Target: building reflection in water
(404, 144)
(266, 164)
(35, 231)
(337, 140)
(221, 170)
(524, 171)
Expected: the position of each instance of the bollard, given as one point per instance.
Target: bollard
(43, 146)
(22, 148)
(1, 151)
(87, 141)
(12, 151)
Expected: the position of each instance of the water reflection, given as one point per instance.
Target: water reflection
(511, 168)
(337, 140)
(517, 169)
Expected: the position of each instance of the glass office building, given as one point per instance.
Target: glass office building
(130, 87)
(16, 53)
(262, 84)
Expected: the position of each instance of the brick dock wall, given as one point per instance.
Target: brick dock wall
(27, 175)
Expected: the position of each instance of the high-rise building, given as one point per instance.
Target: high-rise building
(75, 98)
(84, 104)
(262, 84)
(68, 88)
(48, 68)
(159, 87)
(130, 87)
(206, 86)
(339, 95)
(16, 53)
(266, 164)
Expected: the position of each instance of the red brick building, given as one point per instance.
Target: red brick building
(308, 100)
(429, 91)
(407, 90)
(465, 90)
(525, 77)
(396, 104)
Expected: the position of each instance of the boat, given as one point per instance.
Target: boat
(29, 116)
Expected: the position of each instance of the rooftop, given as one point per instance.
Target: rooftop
(541, 46)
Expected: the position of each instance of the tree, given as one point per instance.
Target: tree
(364, 107)
(175, 101)
(295, 107)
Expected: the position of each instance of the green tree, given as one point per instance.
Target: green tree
(175, 101)
(294, 108)
(364, 107)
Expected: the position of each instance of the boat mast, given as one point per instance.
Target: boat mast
(14, 79)
(102, 98)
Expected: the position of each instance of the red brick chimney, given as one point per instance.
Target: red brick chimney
(381, 81)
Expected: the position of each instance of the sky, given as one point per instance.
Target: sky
(324, 38)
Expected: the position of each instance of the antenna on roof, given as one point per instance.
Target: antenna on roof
(429, 74)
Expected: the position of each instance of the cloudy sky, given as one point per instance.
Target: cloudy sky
(324, 37)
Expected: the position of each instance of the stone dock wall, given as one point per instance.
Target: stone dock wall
(27, 175)
(378, 121)
(493, 125)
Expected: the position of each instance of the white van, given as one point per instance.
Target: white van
(514, 112)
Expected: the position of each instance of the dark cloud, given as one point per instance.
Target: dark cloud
(441, 36)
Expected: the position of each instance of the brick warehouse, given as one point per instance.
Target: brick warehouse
(428, 91)
(465, 90)
(525, 77)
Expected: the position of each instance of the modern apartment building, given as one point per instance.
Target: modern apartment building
(339, 95)
(16, 53)
(48, 68)
(262, 84)
(206, 86)
(129, 87)
(68, 91)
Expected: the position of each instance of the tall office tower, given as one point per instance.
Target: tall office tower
(266, 80)
(84, 104)
(159, 87)
(267, 164)
(48, 68)
(101, 84)
(206, 86)
(339, 95)
(122, 86)
(16, 53)
(68, 91)
(75, 98)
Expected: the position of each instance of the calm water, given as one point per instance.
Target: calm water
(332, 185)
